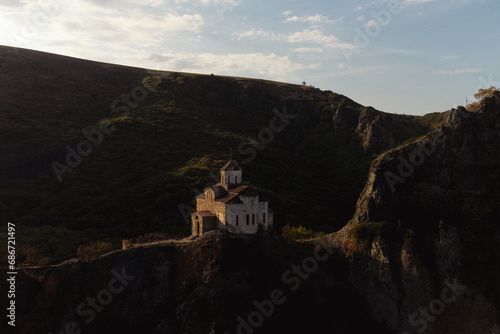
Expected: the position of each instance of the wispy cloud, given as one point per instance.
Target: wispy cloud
(453, 72)
(250, 64)
(449, 57)
(414, 2)
(347, 70)
(314, 19)
(314, 36)
(305, 50)
(253, 33)
(11, 3)
(134, 26)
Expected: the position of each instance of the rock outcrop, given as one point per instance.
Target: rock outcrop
(431, 210)
(217, 283)
(379, 131)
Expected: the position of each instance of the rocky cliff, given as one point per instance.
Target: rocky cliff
(218, 283)
(424, 238)
(379, 131)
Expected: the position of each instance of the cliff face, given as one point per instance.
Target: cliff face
(218, 283)
(379, 131)
(428, 224)
(458, 158)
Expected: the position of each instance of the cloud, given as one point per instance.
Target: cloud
(313, 36)
(317, 37)
(371, 23)
(257, 65)
(126, 3)
(449, 57)
(159, 3)
(130, 26)
(12, 3)
(252, 33)
(249, 64)
(315, 19)
(414, 2)
(232, 3)
(348, 70)
(305, 50)
(470, 70)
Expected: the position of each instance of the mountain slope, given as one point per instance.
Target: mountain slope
(150, 141)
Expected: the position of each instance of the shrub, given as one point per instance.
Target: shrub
(94, 250)
(32, 257)
(480, 95)
(296, 233)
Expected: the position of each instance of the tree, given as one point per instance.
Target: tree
(480, 95)
(304, 83)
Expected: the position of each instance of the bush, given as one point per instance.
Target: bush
(480, 95)
(296, 232)
(32, 257)
(93, 250)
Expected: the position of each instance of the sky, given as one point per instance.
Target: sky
(399, 56)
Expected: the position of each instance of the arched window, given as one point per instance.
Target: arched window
(264, 218)
(248, 219)
(237, 220)
(253, 218)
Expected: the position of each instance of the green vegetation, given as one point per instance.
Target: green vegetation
(480, 95)
(94, 250)
(296, 233)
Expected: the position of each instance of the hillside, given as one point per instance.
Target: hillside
(165, 133)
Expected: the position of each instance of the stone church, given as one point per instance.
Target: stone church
(231, 206)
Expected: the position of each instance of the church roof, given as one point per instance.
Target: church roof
(230, 166)
(218, 188)
(248, 191)
(230, 199)
(232, 196)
